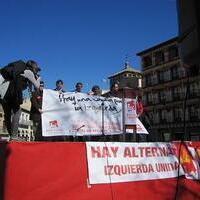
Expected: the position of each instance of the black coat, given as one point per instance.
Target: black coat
(18, 83)
(36, 104)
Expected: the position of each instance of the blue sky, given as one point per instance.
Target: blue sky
(83, 40)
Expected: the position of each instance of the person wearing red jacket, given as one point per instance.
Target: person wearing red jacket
(139, 106)
(36, 111)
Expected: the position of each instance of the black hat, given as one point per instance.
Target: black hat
(32, 64)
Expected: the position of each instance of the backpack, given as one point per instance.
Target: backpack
(12, 70)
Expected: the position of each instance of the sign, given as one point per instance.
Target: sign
(124, 162)
(140, 129)
(130, 113)
(80, 114)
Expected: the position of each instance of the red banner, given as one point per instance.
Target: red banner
(53, 170)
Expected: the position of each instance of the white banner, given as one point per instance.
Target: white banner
(130, 111)
(140, 129)
(80, 114)
(113, 162)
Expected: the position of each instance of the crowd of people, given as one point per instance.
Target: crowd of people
(18, 76)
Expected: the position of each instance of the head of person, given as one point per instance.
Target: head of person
(41, 87)
(59, 85)
(33, 66)
(96, 90)
(115, 87)
(79, 87)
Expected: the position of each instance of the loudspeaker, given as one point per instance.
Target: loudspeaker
(189, 31)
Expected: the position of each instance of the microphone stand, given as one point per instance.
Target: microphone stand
(75, 135)
(102, 120)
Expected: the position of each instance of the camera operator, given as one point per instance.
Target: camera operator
(14, 78)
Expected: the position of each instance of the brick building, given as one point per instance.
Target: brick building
(164, 89)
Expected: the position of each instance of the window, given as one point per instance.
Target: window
(168, 93)
(159, 57)
(181, 72)
(162, 96)
(177, 93)
(169, 114)
(130, 75)
(1, 115)
(167, 75)
(154, 78)
(173, 52)
(155, 98)
(150, 98)
(163, 115)
(147, 61)
(144, 99)
(178, 114)
(182, 92)
(174, 72)
(156, 117)
(161, 76)
(149, 80)
(194, 113)
(194, 89)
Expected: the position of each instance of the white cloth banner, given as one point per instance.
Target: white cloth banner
(80, 114)
(130, 111)
(113, 162)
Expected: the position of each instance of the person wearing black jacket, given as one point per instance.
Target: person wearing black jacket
(14, 78)
(36, 111)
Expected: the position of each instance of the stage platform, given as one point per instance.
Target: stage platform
(58, 171)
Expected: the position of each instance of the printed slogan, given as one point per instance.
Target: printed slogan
(124, 162)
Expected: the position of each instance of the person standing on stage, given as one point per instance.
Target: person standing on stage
(79, 87)
(59, 86)
(96, 91)
(14, 78)
(36, 111)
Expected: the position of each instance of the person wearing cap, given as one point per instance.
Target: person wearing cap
(36, 111)
(14, 78)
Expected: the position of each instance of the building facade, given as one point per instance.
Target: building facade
(169, 114)
(25, 130)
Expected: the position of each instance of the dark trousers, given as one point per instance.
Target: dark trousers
(37, 126)
(11, 116)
